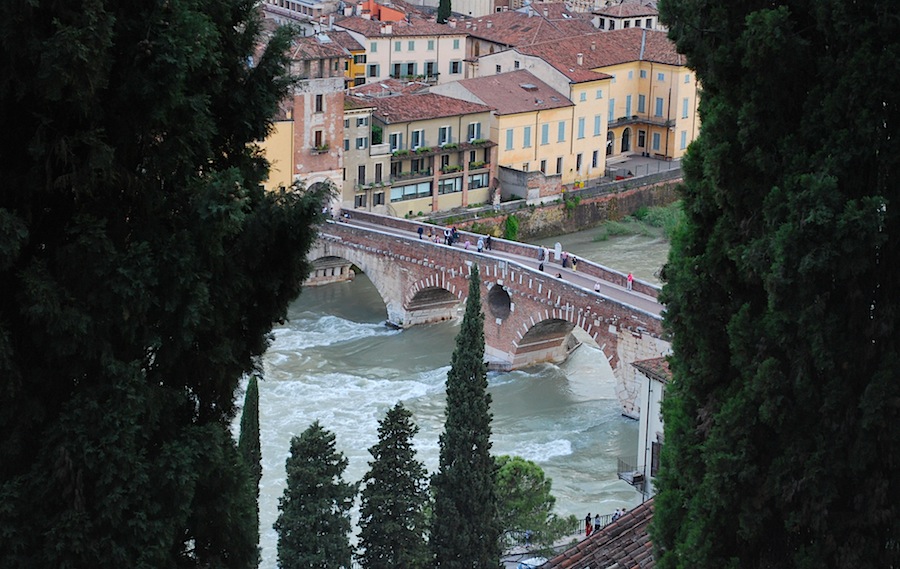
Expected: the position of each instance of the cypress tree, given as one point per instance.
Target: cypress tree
(248, 442)
(443, 12)
(782, 421)
(314, 524)
(464, 531)
(392, 514)
(141, 268)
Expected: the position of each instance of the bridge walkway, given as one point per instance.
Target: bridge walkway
(613, 291)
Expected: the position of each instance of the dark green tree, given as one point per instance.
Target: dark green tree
(141, 268)
(392, 514)
(464, 530)
(314, 524)
(783, 417)
(443, 13)
(525, 504)
(248, 442)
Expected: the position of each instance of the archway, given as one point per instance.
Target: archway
(626, 140)
(610, 142)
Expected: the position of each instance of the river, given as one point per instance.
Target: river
(334, 360)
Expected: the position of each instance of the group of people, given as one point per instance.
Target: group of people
(451, 236)
(593, 524)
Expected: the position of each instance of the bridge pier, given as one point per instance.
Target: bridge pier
(329, 270)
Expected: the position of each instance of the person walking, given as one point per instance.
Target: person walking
(574, 263)
(480, 244)
(597, 286)
(447, 236)
(597, 522)
(488, 244)
(588, 525)
(630, 280)
(421, 230)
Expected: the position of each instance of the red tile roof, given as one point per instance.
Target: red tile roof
(414, 26)
(626, 10)
(518, 28)
(387, 87)
(655, 368)
(319, 46)
(345, 40)
(602, 49)
(624, 544)
(419, 106)
(515, 92)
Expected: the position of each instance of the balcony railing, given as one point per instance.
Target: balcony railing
(427, 78)
(643, 119)
(406, 176)
(628, 471)
(422, 151)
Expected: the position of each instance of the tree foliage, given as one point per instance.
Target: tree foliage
(141, 267)
(443, 12)
(464, 529)
(314, 524)
(525, 503)
(782, 431)
(248, 442)
(392, 514)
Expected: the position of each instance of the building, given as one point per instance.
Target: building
(367, 159)
(439, 156)
(412, 48)
(625, 543)
(627, 15)
(355, 65)
(640, 471)
(650, 103)
(534, 127)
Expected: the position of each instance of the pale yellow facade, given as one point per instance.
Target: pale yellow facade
(539, 141)
(278, 149)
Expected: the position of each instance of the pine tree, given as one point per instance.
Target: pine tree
(141, 268)
(314, 524)
(464, 529)
(248, 443)
(782, 421)
(392, 514)
(443, 12)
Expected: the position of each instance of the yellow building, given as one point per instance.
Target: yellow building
(278, 149)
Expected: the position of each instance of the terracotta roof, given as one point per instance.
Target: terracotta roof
(515, 92)
(627, 10)
(518, 28)
(655, 368)
(602, 49)
(345, 40)
(387, 87)
(415, 26)
(420, 106)
(624, 544)
(318, 46)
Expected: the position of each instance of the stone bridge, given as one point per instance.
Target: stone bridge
(530, 316)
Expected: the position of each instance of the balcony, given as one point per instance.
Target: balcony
(430, 78)
(410, 176)
(422, 151)
(645, 119)
(320, 149)
(628, 471)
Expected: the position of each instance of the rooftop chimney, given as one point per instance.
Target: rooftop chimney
(387, 28)
(489, 24)
(452, 22)
(546, 12)
(579, 58)
(593, 46)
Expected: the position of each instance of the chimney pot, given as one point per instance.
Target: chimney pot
(579, 58)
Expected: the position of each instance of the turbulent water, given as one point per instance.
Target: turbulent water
(335, 361)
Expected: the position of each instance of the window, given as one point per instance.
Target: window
(498, 69)
(559, 163)
(643, 73)
(642, 104)
(626, 24)
(628, 106)
(360, 58)
(683, 139)
(597, 122)
(346, 144)
(687, 77)
(417, 165)
(360, 201)
(445, 135)
(582, 97)
(545, 133)
(599, 94)
(580, 127)
(561, 131)
(378, 199)
(630, 74)
(456, 44)
(642, 138)
(374, 70)
(525, 167)
(684, 108)
(473, 132)
(378, 174)
(660, 76)
(430, 68)
(430, 45)
(320, 103)
(656, 141)
(478, 181)
(472, 156)
(509, 139)
(361, 174)
(659, 107)
(515, 64)
(527, 137)
(602, 23)
(362, 121)
(612, 79)
(612, 25)
(544, 166)
(445, 160)
(648, 23)
(362, 142)
(373, 47)
(455, 67)
(595, 158)
(450, 185)
(611, 115)
(578, 161)
(411, 45)
(417, 139)
(346, 123)
(396, 70)
(318, 139)
(397, 45)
